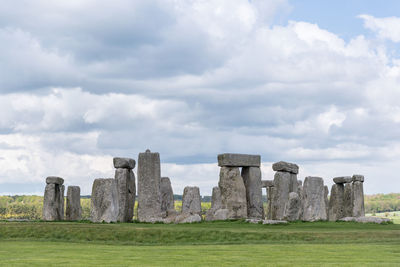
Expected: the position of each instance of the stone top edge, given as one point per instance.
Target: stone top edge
(54, 180)
(126, 163)
(285, 167)
(238, 160)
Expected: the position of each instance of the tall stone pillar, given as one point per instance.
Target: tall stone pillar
(149, 197)
(269, 186)
(73, 211)
(336, 201)
(53, 201)
(348, 200)
(252, 182)
(358, 196)
(126, 187)
(191, 200)
(285, 182)
(314, 208)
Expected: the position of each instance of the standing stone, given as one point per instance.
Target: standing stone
(216, 202)
(125, 182)
(348, 200)
(167, 197)
(233, 192)
(358, 196)
(270, 199)
(191, 200)
(104, 201)
(53, 201)
(73, 211)
(281, 190)
(149, 197)
(252, 182)
(293, 207)
(336, 203)
(314, 208)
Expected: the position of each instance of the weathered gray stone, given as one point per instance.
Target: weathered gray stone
(293, 207)
(366, 220)
(187, 218)
(267, 183)
(252, 182)
(336, 202)
(125, 179)
(358, 178)
(54, 180)
(283, 184)
(73, 210)
(283, 166)
(221, 215)
(216, 204)
(299, 183)
(275, 222)
(314, 208)
(167, 197)
(125, 163)
(358, 199)
(239, 160)
(270, 199)
(53, 202)
(348, 200)
(342, 179)
(149, 197)
(191, 200)
(233, 192)
(104, 201)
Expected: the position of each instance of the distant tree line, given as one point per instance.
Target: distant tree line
(30, 207)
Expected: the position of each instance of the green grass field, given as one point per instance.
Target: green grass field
(201, 244)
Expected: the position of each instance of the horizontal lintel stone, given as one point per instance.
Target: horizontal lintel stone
(285, 167)
(239, 160)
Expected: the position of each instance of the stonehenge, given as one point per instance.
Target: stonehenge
(73, 210)
(53, 201)
(237, 196)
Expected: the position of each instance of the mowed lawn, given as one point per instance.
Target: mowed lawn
(201, 244)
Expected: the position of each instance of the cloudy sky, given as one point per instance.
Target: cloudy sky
(304, 81)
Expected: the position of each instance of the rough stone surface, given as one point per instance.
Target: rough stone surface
(285, 167)
(314, 208)
(167, 197)
(233, 192)
(282, 188)
(53, 202)
(293, 207)
(270, 199)
(358, 178)
(149, 177)
(54, 180)
(348, 200)
(299, 183)
(336, 202)
(365, 220)
(267, 183)
(342, 179)
(187, 218)
(239, 160)
(125, 179)
(252, 182)
(73, 210)
(104, 201)
(216, 203)
(275, 222)
(191, 200)
(358, 199)
(125, 163)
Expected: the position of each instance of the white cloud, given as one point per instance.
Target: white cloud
(386, 28)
